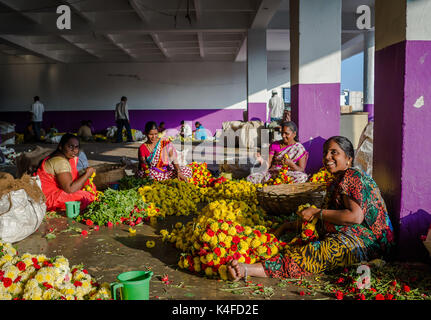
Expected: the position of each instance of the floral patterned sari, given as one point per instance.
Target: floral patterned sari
(158, 164)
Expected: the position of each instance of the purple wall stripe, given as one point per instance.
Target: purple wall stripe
(370, 109)
(211, 119)
(257, 111)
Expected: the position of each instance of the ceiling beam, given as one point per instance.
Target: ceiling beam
(198, 14)
(144, 17)
(39, 50)
(112, 39)
(33, 17)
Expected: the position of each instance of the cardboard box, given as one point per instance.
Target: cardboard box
(346, 109)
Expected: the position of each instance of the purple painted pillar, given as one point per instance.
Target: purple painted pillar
(315, 57)
(402, 130)
(368, 107)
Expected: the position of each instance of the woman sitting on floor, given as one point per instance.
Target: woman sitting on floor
(287, 151)
(158, 157)
(355, 222)
(59, 176)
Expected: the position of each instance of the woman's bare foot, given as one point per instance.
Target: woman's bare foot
(235, 270)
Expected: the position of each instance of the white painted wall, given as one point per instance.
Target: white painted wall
(257, 69)
(418, 20)
(147, 85)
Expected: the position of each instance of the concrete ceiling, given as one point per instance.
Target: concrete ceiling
(151, 30)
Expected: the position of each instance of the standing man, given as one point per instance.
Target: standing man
(37, 110)
(276, 107)
(122, 119)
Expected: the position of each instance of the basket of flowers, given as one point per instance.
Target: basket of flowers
(284, 199)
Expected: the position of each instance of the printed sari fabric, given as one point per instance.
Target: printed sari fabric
(341, 245)
(295, 152)
(158, 164)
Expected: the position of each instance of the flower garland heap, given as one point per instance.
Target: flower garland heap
(174, 197)
(322, 176)
(36, 277)
(225, 230)
(309, 232)
(281, 178)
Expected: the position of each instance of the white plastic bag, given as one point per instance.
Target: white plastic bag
(20, 216)
(364, 153)
(7, 133)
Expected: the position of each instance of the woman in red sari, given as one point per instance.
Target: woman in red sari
(60, 179)
(158, 158)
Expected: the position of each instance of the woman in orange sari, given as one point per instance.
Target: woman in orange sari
(59, 176)
(158, 158)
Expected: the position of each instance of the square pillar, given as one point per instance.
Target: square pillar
(315, 55)
(402, 119)
(257, 94)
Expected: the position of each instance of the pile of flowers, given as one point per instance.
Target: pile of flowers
(36, 277)
(232, 190)
(225, 230)
(173, 197)
(281, 178)
(201, 177)
(322, 176)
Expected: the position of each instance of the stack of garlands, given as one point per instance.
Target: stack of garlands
(308, 231)
(36, 277)
(201, 177)
(173, 197)
(322, 176)
(91, 187)
(222, 232)
(281, 178)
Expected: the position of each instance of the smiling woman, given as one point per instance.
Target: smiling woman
(354, 224)
(59, 176)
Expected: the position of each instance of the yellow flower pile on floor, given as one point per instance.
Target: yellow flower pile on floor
(201, 176)
(225, 230)
(36, 277)
(322, 176)
(232, 190)
(174, 197)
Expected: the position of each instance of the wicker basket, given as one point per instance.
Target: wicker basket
(284, 199)
(107, 173)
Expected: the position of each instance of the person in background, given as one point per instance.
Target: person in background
(200, 132)
(276, 107)
(29, 135)
(185, 130)
(84, 131)
(59, 176)
(161, 127)
(122, 119)
(37, 110)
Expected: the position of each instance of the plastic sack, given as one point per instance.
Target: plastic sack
(364, 153)
(20, 216)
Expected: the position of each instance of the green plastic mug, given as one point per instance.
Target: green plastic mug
(72, 208)
(134, 285)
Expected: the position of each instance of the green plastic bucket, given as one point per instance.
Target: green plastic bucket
(133, 285)
(72, 208)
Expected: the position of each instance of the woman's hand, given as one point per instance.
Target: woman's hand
(89, 171)
(288, 162)
(181, 177)
(309, 213)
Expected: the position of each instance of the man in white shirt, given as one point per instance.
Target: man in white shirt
(122, 119)
(37, 110)
(276, 107)
(185, 130)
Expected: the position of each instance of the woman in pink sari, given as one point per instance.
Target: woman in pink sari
(287, 151)
(158, 158)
